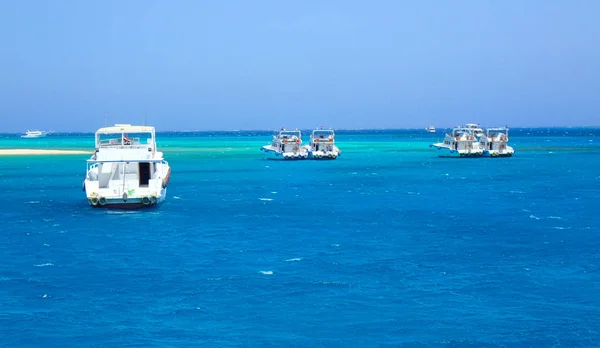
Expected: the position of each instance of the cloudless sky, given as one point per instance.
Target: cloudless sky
(208, 65)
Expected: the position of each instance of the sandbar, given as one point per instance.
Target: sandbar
(20, 152)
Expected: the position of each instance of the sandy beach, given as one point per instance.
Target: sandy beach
(20, 152)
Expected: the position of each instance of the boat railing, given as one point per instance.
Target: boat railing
(117, 142)
(323, 140)
(461, 138)
(496, 138)
(469, 138)
(290, 140)
(109, 142)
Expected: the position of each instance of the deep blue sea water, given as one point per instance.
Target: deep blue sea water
(388, 246)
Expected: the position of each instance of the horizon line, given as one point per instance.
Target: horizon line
(304, 129)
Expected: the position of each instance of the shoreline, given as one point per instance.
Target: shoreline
(20, 152)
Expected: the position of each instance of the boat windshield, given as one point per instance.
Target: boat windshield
(494, 132)
(322, 134)
(461, 132)
(112, 139)
(289, 134)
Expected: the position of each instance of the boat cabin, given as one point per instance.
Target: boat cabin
(287, 140)
(322, 140)
(460, 138)
(495, 139)
(125, 156)
(322, 135)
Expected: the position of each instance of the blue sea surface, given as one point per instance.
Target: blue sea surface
(387, 246)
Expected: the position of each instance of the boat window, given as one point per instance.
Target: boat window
(114, 139)
(137, 138)
(289, 134)
(323, 134)
(109, 139)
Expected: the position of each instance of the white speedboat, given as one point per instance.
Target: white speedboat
(287, 145)
(461, 142)
(322, 145)
(430, 129)
(34, 134)
(126, 170)
(477, 130)
(495, 143)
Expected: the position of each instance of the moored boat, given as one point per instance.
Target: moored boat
(495, 143)
(286, 145)
(34, 134)
(322, 145)
(126, 170)
(461, 142)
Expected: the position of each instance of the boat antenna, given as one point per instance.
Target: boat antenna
(104, 120)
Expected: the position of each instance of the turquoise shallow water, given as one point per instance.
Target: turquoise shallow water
(388, 246)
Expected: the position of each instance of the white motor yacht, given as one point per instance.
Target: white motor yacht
(34, 134)
(461, 142)
(126, 170)
(495, 143)
(287, 145)
(322, 145)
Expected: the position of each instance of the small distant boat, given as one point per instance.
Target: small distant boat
(430, 129)
(126, 170)
(461, 142)
(477, 130)
(495, 143)
(34, 134)
(287, 145)
(322, 145)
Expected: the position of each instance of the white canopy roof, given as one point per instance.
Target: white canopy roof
(125, 128)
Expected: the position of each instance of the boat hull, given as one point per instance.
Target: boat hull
(320, 155)
(323, 155)
(447, 152)
(498, 153)
(135, 202)
(457, 154)
(272, 154)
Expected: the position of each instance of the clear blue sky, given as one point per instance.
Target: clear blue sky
(263, 64)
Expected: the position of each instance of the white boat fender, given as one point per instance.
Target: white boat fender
(94, 201)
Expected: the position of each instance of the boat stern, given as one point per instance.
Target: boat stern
(508, 151)
(325, 155)
(131, 199)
